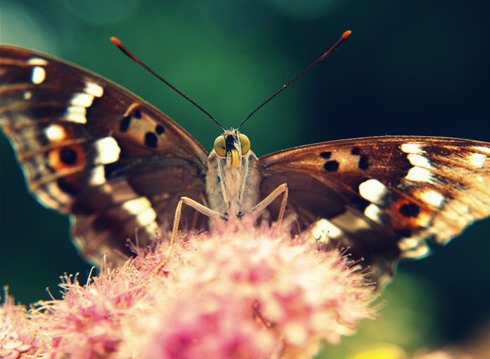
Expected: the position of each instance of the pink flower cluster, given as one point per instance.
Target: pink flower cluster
(247, 294)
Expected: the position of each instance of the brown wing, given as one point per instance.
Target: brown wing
(97, 152)
(383, 197)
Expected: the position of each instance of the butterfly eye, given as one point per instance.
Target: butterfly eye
(245, 142)
(220, 146)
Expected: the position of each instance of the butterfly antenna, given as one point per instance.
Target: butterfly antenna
(129, 54)
(344, 36)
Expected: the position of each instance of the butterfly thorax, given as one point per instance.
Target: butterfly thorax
(232, 178)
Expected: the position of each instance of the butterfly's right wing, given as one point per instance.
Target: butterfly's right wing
(97, 152)
(383, 197)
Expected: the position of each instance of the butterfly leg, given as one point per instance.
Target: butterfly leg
(178, 213)
(198, 207)
(259, 207)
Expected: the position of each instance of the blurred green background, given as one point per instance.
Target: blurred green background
(410, 67)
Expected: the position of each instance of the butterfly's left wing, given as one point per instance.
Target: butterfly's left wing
(383, 197)
(95, 151)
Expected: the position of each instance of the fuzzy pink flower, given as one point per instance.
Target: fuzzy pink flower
(18, 334)
(245, 294)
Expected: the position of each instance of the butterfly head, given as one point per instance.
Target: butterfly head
(231, 146)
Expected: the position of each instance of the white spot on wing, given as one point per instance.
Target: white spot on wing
(27, 95)
(82, 99)
(419, 174)
(412, 148)
(97, 176)
(373, 190)
(374, 213)
(419, 160)
(412, 248)
(38, 75)
(482, 149)
(136, 205)
(477, 160)
(322, 229)
(94, 89)
(408, 243)
(55, 133)
(76, 114)
(142, 209)
(37, 61)
(107, 150)
(147, 217)
(433, 198)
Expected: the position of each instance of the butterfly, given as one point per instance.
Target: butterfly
(120, 168)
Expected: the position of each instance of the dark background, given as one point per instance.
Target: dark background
(411, 67)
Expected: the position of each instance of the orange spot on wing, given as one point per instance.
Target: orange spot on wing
(56, 162)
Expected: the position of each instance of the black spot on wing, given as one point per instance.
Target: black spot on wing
(68, 156)
(125, 123)
(136, 113)
(331, 166)
(356, 151)
(363, 162)
(151, 140)
(409, 210)
(159, 129)
(133, 112)
(326, 155)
